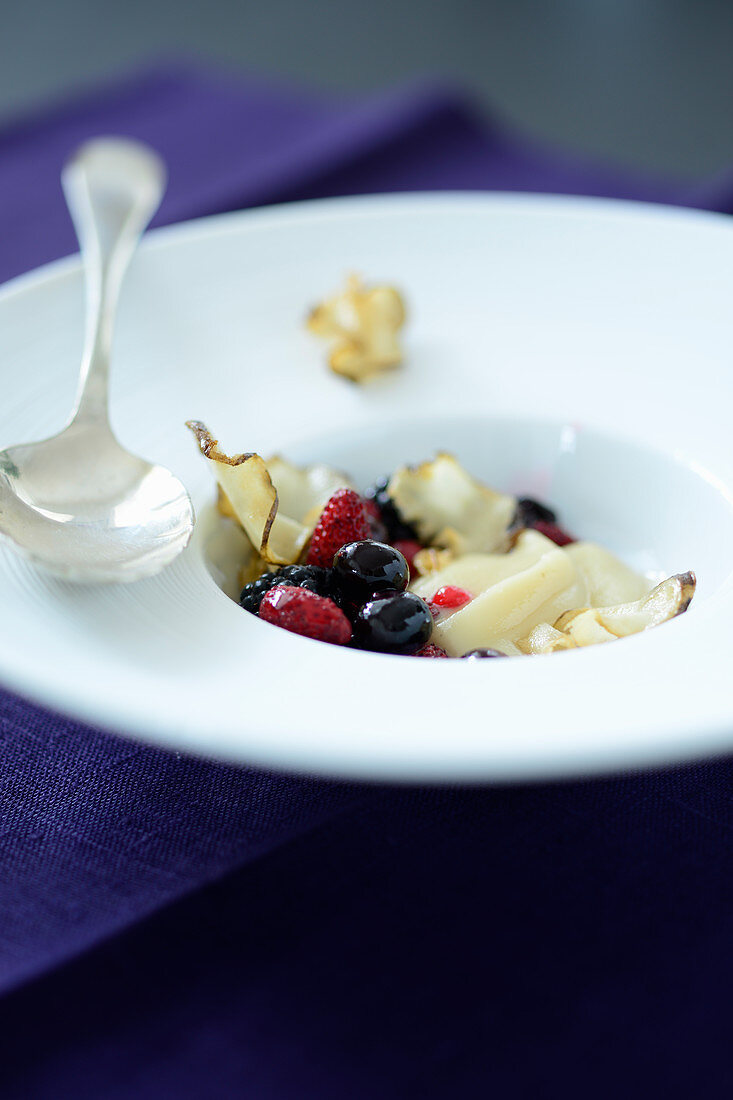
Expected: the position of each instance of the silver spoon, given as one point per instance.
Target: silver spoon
(79, 503)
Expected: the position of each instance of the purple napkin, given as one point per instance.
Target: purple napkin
(234, 143)
(226, 932)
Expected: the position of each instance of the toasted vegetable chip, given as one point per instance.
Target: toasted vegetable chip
(588, 626)
(303, 490)
(362, 322)
(247, 492)
(450, 508)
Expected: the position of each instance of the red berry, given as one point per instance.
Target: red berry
(303, 612)
(451, 596)
(552, 531)
(408, 548)
(430, 650)
(344, 519)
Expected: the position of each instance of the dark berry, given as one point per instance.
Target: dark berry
(399, 623)
(310, 577)
(484, 653)
(360, 569)
(554, 532)
(529, 512)
(397, 527)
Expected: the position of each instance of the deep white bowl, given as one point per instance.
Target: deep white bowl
(577, 350)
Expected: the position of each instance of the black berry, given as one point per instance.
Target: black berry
(397, 527)
(398, 623)
(529, 512)
(298, 576)
(484, 653)
(361, 569)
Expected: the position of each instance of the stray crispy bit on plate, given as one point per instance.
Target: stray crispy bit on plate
(363, 324)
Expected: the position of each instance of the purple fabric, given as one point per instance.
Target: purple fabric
(172, 927)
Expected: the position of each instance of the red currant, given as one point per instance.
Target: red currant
(451, 596)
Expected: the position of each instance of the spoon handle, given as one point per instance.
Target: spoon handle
(113, 186)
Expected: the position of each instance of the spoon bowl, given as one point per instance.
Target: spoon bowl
(88, 510)
(78, 503)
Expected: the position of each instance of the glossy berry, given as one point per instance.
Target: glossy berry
(451, 596)
(361, 569)
(344, 519)
(397, 527)
(299, 576)
(530, 512)
(430, 650)
(554, 532)
(399, 623)
(408, 548)
(303, 612)
(474, 653)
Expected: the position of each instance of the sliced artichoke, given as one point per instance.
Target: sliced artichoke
(477, 572)
(449, 508)
(608, 579)
(519, 594)
(589, 626)
(513, 593)
(363, 323)
(247, 492)
(545, 639)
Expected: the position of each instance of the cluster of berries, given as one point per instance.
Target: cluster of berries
(530, 513)
(352, 589)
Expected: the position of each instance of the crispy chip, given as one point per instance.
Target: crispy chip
(276, 503)
(451, 509)
(362, 324)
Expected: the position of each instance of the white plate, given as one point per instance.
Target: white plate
(575, 349)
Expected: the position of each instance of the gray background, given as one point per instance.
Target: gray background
(645, 83)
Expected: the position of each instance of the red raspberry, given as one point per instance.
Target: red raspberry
(430, 650)
(450, 595)
(408, 548)
(303, 612)
(552, 531)
(344, 519)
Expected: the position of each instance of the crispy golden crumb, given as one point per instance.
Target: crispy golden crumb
(431, 559)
